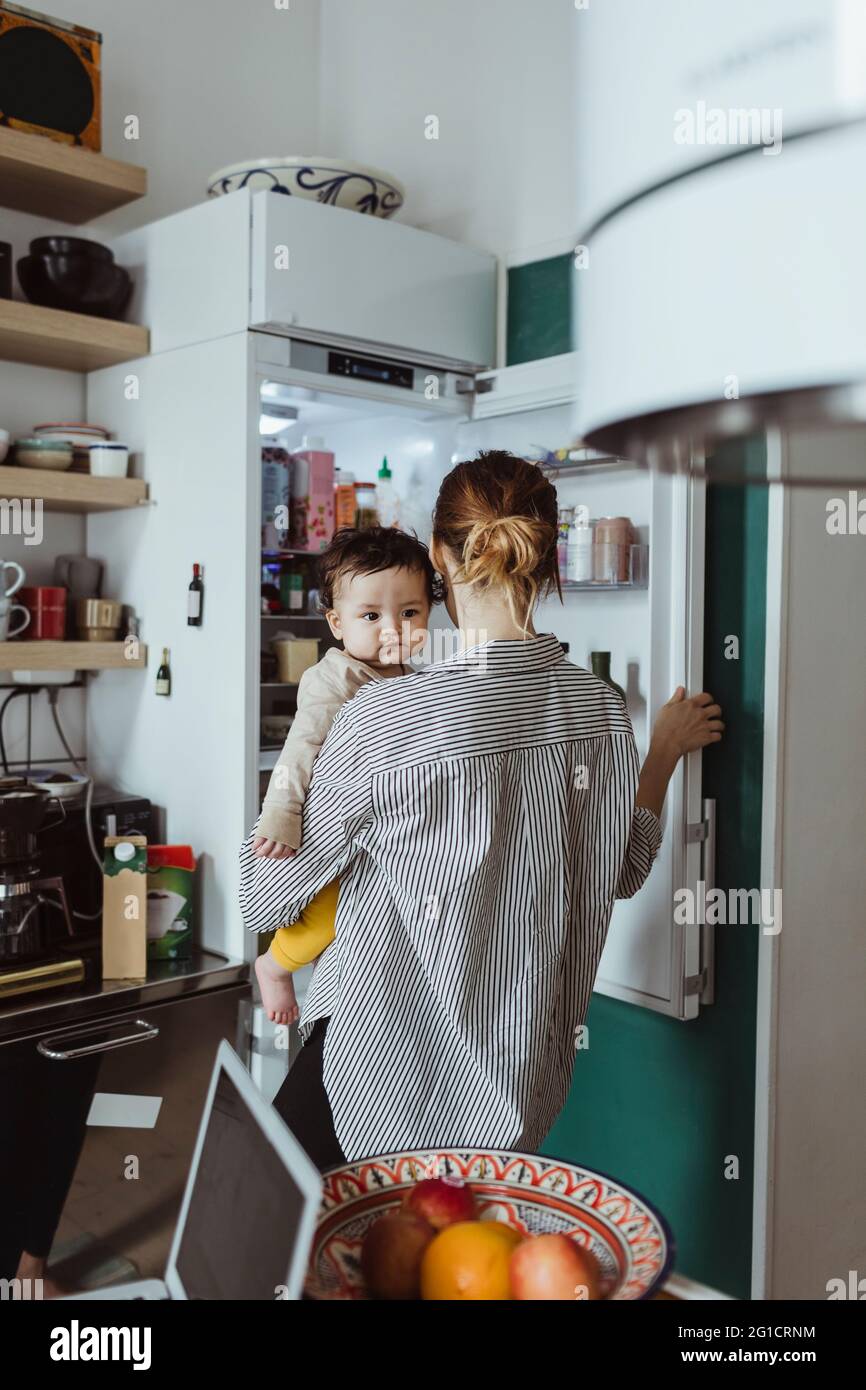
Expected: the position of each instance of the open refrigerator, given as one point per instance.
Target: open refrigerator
(379, 339)
(651, 625)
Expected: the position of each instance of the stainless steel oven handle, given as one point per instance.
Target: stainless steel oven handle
(142, 1032)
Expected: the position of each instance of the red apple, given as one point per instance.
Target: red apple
(441, 1201)
(552, 1267)
(391, 1255)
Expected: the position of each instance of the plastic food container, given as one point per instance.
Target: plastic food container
(295, 655)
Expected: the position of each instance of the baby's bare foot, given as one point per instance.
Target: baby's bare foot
(278, 991)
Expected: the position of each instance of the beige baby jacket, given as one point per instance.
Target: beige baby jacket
(322, 689)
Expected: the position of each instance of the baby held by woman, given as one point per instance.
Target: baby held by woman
(377, 587)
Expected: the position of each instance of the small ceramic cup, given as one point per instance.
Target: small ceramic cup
(7, 590)
(7, 610)
(109, 459)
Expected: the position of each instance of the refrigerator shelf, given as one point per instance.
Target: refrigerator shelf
(292, 617)
(583, 461)
(291, 554)
(613, 570)
(599, 586)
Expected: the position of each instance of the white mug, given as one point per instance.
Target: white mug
(6, 611)
(16, 583)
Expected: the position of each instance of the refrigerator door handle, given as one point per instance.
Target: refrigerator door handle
(56, 1050)
(708, 930)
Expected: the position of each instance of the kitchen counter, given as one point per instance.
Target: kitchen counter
(166, 980)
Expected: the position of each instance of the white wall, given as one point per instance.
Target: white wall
(497, 73)
(211, 81)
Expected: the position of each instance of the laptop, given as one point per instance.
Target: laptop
(246, 1225)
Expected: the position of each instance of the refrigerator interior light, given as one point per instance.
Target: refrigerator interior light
(274, 424)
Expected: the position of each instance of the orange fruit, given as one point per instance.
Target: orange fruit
(469, 1260)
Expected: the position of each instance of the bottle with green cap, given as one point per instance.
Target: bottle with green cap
(387, 504)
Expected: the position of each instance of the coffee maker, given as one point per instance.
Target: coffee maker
(28, 896)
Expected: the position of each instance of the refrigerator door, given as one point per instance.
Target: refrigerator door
(655, 636)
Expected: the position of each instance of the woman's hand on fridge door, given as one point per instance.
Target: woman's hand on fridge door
(686, 723)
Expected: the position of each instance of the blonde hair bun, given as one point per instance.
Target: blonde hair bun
(503, 547)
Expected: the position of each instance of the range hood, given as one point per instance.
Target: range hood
(723, 206)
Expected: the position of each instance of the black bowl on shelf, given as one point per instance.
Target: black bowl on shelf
(70, 246)
(78, 283)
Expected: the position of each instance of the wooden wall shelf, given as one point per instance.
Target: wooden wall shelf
(68, 656)
(72, 492)
(73, 185)
(70, 342)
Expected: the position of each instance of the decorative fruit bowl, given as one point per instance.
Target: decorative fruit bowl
(631, 1242)
(339, 182)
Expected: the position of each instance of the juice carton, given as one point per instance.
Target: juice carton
(124, 908)
(276, 497)
(312, 483)
(170, 889)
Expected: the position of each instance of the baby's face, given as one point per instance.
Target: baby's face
(381, 618)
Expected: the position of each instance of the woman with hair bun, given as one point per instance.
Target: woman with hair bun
(482, 815)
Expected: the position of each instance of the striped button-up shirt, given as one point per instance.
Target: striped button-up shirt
(480, 817)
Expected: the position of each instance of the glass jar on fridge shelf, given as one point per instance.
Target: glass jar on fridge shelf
(344, 499)
(366, 514)
(613, 539)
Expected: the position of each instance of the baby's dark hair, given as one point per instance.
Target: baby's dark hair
(369, 551)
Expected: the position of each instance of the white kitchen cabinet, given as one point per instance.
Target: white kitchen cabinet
(334, 276)
(269, 261)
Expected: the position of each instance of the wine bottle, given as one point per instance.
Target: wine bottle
(163, 675)
(195, 599)
(601, 668)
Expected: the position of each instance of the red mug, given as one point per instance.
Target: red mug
(47, 608)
